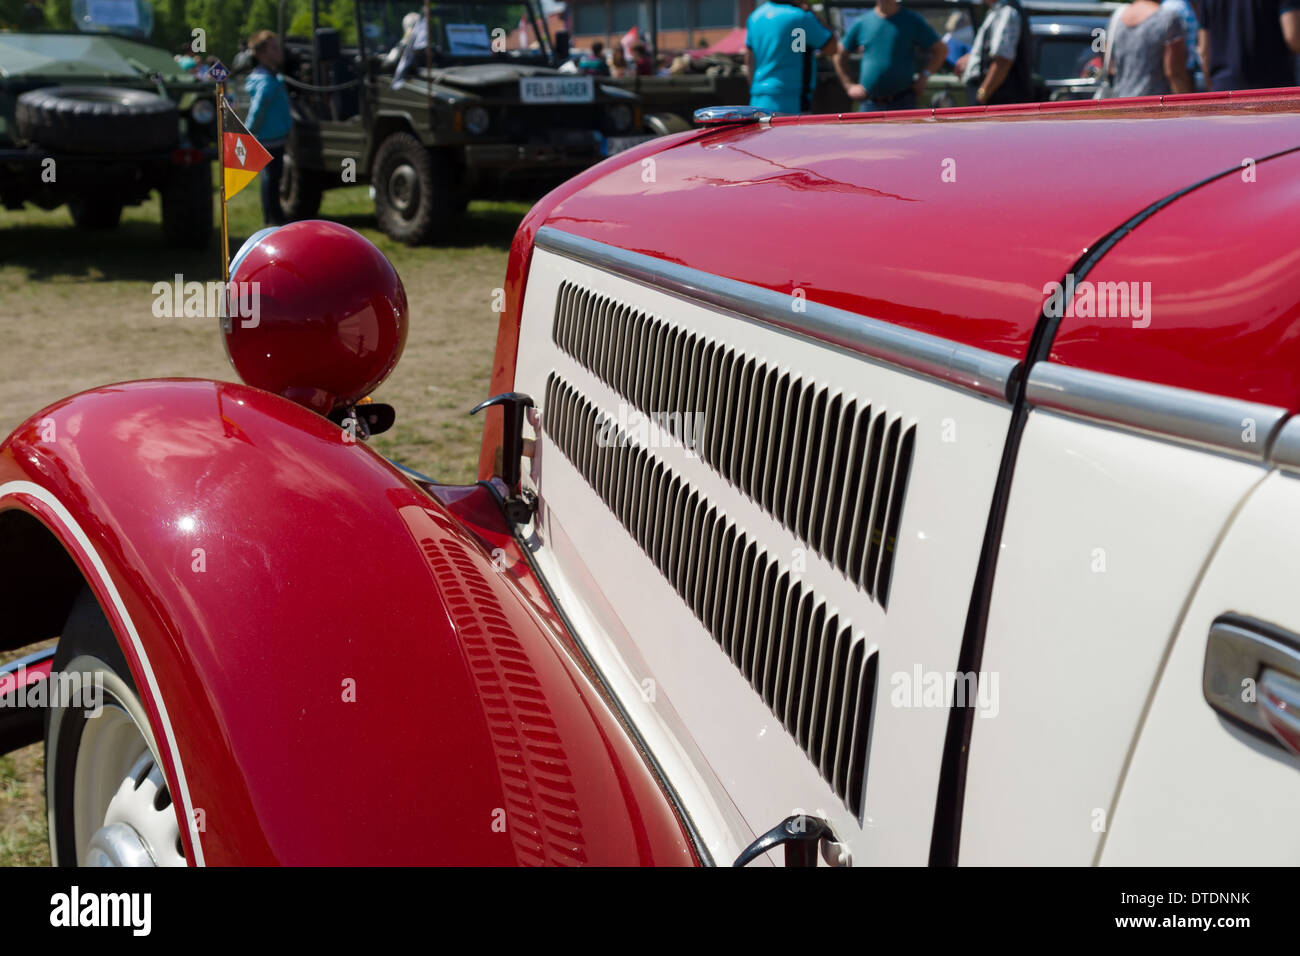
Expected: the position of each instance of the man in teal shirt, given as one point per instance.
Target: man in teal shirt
(781, 45)
(890, 38)
(269, 118)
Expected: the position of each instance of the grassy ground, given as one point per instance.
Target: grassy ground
(76, 312)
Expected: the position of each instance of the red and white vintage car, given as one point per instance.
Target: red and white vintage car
(893, 489)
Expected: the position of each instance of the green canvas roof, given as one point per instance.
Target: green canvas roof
(80, 57)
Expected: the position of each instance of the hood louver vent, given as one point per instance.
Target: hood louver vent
(831, 469)
(804, 661)
(542, 818)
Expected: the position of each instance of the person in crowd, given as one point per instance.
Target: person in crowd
(243, 61)
(1183, 9)
(269, 118)
(594, 63)
(999, 67)
(958, 36)
(782, 41)
(618, 66)
(642, 62)
(1248, 44)
(890, 38)
(1148, 50)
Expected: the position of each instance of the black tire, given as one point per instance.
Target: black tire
(97, 119)
(300, 191)
(95, 212)
(416, 190)
(187, 206)
(88, 647)
(662, 124)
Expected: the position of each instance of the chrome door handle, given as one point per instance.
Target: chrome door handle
(1279, 702)
(1252, 676)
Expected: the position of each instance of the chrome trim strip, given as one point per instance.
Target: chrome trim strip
(717, 115)
(1208, 420)
(975, 369)
(1285, 452)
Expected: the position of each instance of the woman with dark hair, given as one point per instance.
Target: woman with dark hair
(1147, 51)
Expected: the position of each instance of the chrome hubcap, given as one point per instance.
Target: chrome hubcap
(117, 845)
(403, 188)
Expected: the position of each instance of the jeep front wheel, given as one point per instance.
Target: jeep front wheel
(415, 190)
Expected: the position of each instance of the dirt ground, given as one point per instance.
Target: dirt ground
(76, 311)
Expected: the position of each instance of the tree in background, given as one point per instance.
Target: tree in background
(171, 28)
(262, 15)
(339, 14)
(35, 15)
(221, 21)
(224, 22)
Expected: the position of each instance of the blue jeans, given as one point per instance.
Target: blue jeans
(903, 101)
(271, 175)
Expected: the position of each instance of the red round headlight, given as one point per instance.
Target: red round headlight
(315, 313)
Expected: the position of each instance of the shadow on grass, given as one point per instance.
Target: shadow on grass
(138, 251)
(132, 251)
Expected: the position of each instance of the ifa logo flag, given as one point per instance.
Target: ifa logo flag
(243, 157)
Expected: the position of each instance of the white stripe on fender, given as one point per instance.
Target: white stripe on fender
(11, 488)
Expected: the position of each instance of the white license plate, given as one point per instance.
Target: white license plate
(557, 89)
(616, 144)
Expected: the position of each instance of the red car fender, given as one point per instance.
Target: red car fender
(336, 670)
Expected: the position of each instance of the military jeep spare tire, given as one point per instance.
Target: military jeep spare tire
(97, 119)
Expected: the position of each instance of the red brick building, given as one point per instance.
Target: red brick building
(682, 24)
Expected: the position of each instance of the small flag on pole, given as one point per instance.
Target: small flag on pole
(243, 157)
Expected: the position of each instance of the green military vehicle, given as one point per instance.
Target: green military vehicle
(481, 111)
(98, 119)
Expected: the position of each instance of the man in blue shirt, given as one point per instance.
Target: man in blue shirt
(890, 39)
(781, 45)
(269, 118)
(594, 63)
(1248, 44)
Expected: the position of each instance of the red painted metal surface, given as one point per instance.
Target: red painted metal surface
(331, 315)
(473, 738)
(859, 214)
(1223, 263)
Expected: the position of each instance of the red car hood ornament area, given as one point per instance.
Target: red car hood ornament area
(330, 319)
